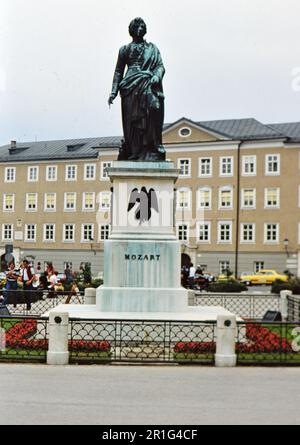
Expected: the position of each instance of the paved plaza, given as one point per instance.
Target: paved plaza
(74, 395)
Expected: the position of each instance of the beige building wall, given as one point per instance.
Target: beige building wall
(199, 144)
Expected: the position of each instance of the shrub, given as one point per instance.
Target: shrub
(293, 285)
(96, 282)
(231, 286)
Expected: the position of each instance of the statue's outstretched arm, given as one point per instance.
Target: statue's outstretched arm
(118, 76)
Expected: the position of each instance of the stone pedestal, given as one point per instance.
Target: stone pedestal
(142, 272)
(142, 257)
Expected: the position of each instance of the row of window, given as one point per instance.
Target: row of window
(50, 201)
(248, 198)
(51, 174)
(226, 166)
(203, 232)
(225, 265)
(49, 233)
(184, 200)
(225, 232)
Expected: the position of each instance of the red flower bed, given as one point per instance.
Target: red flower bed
(18, 337)
(260, 340)
(194, 348)
(263, 340)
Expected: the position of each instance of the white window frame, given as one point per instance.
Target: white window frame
(64, 233)
(11, 230)
(86, 168)
(243, 241)
(222, 159)
(223, 269)
(258, 269)
(179, 224)
(29, 170)
(266, 241)
(101, 200)
(189, 166)
(248, 207)
(205, 175)
(65, 202)
(226, 189)
(189, 201)
(200, 190)
(67, 179)
(45, 202)
(48, 178)
(27, 202)
(84, 208)
(89, 241)
(277, 206)
(220, 224)
(244, 163)
(103, 174)
(8, 180)
(30, 240)
(100, 239)
(270, 173)
(45, 240)
(5, 210)
(199, 225)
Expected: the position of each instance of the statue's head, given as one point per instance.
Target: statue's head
(137, 27)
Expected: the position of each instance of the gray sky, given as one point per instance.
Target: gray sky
(224, 59)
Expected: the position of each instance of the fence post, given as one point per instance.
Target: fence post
(90, 296)
(58, 353)
(191, 298)
(284, 303)
(226, 339)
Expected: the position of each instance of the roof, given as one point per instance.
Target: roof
(292, 130)
(55, 150)
(88, 148)
(242, 129)
(246, 129)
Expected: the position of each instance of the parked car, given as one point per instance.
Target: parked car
(225, 278)
(264, 277)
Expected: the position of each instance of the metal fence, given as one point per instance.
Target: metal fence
(248, 306)
(23, 339)
(272, 344)
(38, 302)
(294, 308)
(137, 341)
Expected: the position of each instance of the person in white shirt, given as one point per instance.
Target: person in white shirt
(53, 281)
(192, 273)
(28, 277)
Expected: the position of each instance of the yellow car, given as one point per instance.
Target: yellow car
(263, 277)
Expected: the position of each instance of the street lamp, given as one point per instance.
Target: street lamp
(286, 246)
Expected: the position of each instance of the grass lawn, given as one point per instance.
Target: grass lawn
(90, 357)
(8, 324)
(201, 358)
(284, 332)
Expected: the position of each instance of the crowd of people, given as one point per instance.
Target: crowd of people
(25, 278)
(195, 278)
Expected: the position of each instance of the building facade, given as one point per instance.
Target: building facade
(237, 198)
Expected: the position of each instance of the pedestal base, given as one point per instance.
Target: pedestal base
(141, 300)
(201, 314)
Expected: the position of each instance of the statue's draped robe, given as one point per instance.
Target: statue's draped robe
(142, 102)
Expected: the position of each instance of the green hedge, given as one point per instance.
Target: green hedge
(293, 285)
(231, 286)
